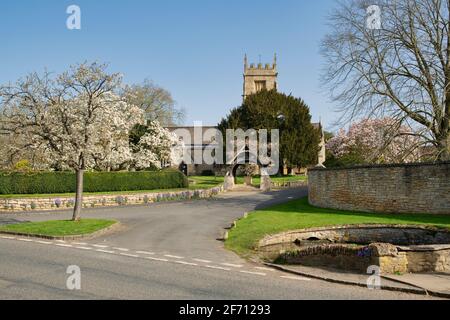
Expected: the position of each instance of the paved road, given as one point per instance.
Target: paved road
(163, 251)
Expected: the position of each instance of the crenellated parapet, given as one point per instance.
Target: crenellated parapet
(259, 76)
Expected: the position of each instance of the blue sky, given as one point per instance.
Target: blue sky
(193, 48)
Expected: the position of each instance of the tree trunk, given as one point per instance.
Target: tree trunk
(78, 196)
(444, 148)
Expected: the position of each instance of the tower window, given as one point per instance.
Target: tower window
(260, 85)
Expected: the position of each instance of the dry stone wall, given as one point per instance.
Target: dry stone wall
(404, 188)
(58, 203)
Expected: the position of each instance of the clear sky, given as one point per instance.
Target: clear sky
(193, 48)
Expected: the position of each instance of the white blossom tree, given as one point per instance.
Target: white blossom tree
(75, 118)
(13, 154)
(112, 150)
(155, 147)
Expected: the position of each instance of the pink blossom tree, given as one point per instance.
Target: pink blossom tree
(376, 141)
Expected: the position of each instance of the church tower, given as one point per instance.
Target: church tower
(259, 77)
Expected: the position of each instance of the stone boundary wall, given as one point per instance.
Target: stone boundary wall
(289, 184)
(58, 203)
(389, 258)
(403, 188)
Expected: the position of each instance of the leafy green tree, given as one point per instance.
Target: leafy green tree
(157, 103)
(299, 139)
(136, 133)
(328, 135)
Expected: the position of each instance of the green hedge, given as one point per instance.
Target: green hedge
(65, 182)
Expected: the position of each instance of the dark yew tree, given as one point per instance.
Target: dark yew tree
(299, 138)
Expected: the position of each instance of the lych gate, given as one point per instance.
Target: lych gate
(242, 158)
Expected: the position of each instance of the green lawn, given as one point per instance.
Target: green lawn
(199, 182)
(256, 181)
(210, 182)
(299, 214)
(59, 228)
(289, 178)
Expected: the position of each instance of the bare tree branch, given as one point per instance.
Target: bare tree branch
(401, 70)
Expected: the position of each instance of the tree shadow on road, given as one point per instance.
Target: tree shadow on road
(5, 221)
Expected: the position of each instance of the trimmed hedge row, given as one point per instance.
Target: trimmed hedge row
(65, 182)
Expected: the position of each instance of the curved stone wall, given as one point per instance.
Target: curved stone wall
(363, 234)
(404, 188)
(394, 248)
(390, 259)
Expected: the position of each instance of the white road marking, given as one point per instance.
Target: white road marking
(186, 263)
(145, 252)
(201, 260)
(129, 255)
(105, 251)
(44, 242)
(171, 256)
(64, 245)
(84, 248)
(254, 273)
(121, 249)
(8, 238)
(218, 268)
(232, 265)
(80, 243)
(265, 269)
(156, 259)
(295, 278)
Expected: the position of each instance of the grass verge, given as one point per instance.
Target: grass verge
(199, 182)
(299, 214)
(256, 181)
(59, 228)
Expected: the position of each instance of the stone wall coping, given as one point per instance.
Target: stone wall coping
(375, 166)
(89, 197)
(105, 200)
(137, 194)
(421, 248)
(289, 184)
(353, 226)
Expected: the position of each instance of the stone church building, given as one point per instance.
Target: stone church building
(257, 77)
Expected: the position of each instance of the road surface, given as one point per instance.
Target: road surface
(162, 251)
